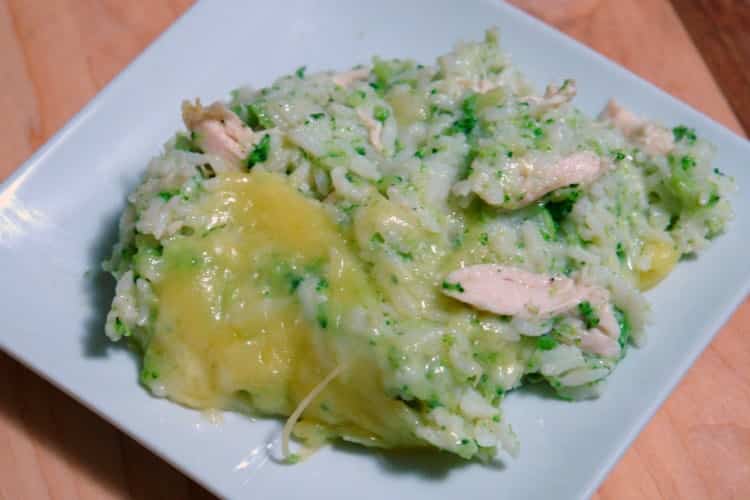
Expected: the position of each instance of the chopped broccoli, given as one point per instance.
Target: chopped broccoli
(589, 316)
(259, 154)
(560, 208)
(546, 343)
(257, 118)
(389, 73)
(682, 183)
(625, 328)
(322, 316)
(620, 252)
(548, 225)
(381, 114)
(469, 120)
(434, 402)
(185, 143)
(687, 162)
(682, 132)
(405, 255)
(168, 195)
(121, 328)
(453, 286)
(618, 155)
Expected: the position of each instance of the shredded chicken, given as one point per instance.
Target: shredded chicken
(527, 181)
(348, 77)
(374, 127)
(511, 291)
(596, 342)
(554, 97)
(653, 138)
(514, 292)
(219, 131)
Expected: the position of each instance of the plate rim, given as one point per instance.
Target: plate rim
(635, 426)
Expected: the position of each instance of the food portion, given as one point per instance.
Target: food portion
(381, 255)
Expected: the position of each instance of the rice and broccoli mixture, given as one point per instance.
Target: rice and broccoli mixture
(381, 255)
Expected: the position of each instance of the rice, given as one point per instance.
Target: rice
(414, 171)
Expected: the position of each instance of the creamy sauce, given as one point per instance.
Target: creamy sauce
(231, 325)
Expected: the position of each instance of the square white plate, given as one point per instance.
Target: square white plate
(58, 217)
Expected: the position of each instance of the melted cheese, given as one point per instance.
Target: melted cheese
(663, 258)
(230, 323)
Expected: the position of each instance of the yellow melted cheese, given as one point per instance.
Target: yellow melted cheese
(663, 257)
(226, 331)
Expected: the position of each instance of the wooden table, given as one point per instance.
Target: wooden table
(55, 55)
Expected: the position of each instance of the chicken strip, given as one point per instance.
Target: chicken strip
(654, 139)
(523, 182)
(219, 131)
(510, 291)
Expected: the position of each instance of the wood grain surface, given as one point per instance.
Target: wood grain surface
(721, 31)
(56, 54)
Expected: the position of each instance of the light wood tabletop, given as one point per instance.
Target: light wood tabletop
(56, 54)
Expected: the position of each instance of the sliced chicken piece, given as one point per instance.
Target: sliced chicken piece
(374, 127)
(525, 182)
(628, 123)
(219, 131)
(654, 139)
(510, 291)
(599, 299)
(513, 292)
(596, 342)
(603, 338)
(579, 168)
(348, 77)
(607, 321)
(554, 97)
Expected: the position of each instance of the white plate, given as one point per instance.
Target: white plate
(57, 221)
